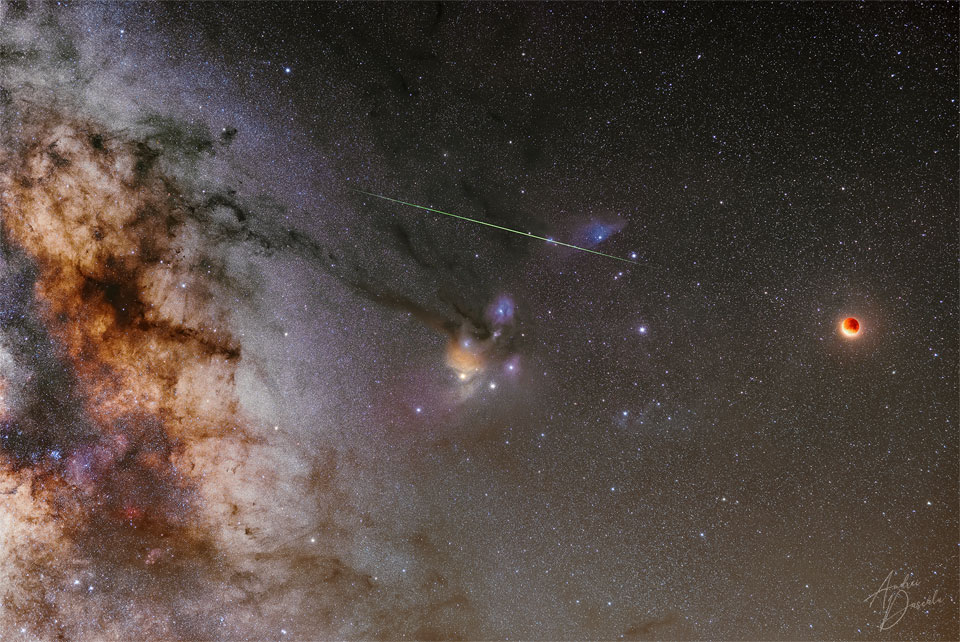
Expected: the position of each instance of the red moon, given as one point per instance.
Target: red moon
(850, 327)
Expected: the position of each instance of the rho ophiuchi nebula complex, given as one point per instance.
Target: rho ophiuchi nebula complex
(478, 321)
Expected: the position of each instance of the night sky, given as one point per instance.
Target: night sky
(241, 400)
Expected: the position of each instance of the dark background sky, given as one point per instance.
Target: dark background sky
(686, 447)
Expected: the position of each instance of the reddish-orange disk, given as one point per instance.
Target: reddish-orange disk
(850, 327)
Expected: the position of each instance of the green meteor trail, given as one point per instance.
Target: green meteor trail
(499, 227)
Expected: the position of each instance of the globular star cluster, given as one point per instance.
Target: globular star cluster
(243, 396)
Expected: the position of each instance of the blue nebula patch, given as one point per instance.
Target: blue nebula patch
(597, 232)
(501, 311)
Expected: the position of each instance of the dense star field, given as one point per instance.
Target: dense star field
(242, 397)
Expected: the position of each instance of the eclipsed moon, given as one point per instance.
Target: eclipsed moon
(850, 327)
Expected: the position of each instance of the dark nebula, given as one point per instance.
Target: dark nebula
(241, 400)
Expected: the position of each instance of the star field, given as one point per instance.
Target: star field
(245, 399)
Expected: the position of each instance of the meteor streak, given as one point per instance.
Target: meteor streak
(499, 227)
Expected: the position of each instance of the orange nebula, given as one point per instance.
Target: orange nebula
(466, 357)
(850, 327)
